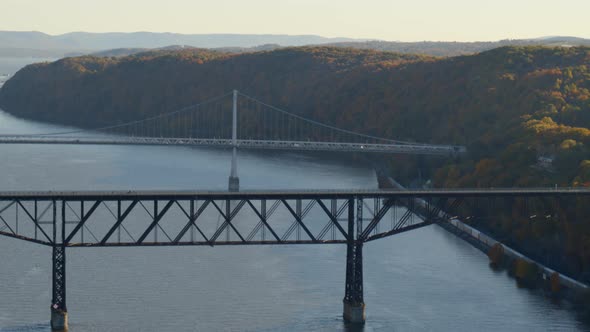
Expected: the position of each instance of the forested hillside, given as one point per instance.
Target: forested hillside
(441, 48)
(508, 106)
(522, 112)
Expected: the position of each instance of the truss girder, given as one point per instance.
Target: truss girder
(201, 218)
(137, 221)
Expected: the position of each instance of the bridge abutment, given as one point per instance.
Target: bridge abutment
(354, 305)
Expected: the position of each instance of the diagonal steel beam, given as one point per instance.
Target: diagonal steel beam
(333, 218)
(192, 221)
(254, 231)
(263, 220)
(298, 219)
(7, 225)
(8, 206)
(237, 209)
(376, 219)
(433, 213)
(397, 231)
(272, 209)
(47, 208)
(301, 215)
(34, 221)
(119, 221)
(155, 222)
(228, 219)
(289, 231)
(402, 221)
(83, 221)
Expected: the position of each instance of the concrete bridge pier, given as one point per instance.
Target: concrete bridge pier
(59, 312)
(354, 305)
(59, 320)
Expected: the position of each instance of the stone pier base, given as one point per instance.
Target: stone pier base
(234, 183)
(354, 312)
(59, 320)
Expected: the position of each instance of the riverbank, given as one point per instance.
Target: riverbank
(528, 272)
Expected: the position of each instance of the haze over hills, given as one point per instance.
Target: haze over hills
(31, 43)
(38, 44)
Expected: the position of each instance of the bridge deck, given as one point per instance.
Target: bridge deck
(286, 194)
(241, 143)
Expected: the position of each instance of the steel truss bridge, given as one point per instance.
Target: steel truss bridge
(63, 220)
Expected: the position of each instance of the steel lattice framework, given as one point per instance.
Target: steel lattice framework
(142, 219)
(156, 218)
(201, 218)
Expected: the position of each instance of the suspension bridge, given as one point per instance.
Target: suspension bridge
(62, 220)
(217, 123)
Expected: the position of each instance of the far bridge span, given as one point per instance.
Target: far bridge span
(214, 123)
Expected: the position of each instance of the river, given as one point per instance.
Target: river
(423, 280)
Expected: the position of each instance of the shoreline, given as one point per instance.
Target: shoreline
(485, 243)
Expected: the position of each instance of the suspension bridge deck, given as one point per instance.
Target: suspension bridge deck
(240, 143)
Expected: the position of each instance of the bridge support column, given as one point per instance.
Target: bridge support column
(234, 181)
(59, 312)
(354, 305)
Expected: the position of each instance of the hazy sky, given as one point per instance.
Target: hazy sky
(410, 20)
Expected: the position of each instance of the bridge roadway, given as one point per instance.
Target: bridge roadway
(289, 194)
(240, 143)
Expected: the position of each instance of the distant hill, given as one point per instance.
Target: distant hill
(510, 106)
(33, 43)
(120, 52)
(460, 48)
(38, 44)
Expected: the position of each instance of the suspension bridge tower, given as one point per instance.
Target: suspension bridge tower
(234, 180)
